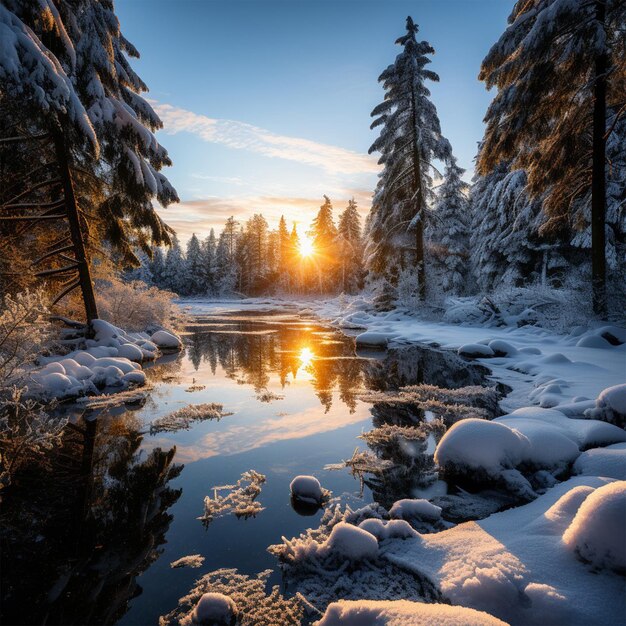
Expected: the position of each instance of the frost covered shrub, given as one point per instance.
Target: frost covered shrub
(133, 306)
(27, 432)
(255, 606)
(407, 289)
(339, 560)
(25, 331)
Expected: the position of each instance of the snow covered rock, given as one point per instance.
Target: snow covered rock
(372, 340)
(308, 489)
(609, 462)
(415, 509)
(593, 341)
(166, 341)
(402, 613)
(610, 406)
(596, 533)
(350, 542)
(392, 529)
(213, 609)
(502, 348)
(476, 351)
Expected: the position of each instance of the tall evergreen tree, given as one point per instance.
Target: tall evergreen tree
(209, 251)
(174, 275)
(450, 231)
(195, 282)
(558, 67)
(410, 140)
(350, 244)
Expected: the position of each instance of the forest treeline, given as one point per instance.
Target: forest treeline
(80, 171)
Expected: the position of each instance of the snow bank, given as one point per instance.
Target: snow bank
(610, 406)
(402, 613)
(308, 489)
(514, 564)
(214, 609)
(596, 533)
(419, 508)
(609, 462)
(110, 360)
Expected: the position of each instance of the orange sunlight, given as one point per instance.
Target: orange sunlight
(306, 247)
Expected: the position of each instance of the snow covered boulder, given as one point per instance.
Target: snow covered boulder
(502, 348)
(308, 489)
(596, 533)
(213, 609)
(402, 613)
(371, 340)
(476, 351)
(610, 406)
(485, 453)
(166, 341)
(351, 542)
(419, 509)
(392, 529)
(609, 462)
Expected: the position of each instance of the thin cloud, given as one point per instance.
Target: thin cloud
(243, 136)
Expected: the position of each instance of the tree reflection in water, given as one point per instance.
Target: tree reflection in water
(75, 539)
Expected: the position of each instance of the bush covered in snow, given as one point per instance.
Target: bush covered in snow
(255, 606)
(596, 533)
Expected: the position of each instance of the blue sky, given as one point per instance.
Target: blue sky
(267, 104)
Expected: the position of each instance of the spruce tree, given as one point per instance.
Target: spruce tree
(450, 229)
(350, 243)
(410, 140)
(323, 232)
(195, 283)
(559, 67)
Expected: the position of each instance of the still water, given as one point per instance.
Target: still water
(292, 389)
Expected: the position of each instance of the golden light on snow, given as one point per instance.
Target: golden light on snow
(306, 247)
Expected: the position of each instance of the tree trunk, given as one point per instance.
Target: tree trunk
(419, 200)
(598, 180)
(84, 275)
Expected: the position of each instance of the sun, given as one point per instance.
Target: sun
(306, 247)
(306, 356)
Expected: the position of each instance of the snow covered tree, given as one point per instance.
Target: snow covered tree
(450, 231)
(174, 275)
(225, 269)
(195, 282)
(410, 140)
(323, 232)
(284, 253)
(558, 67)
(157, 266)
(209, 250)
(350, 242)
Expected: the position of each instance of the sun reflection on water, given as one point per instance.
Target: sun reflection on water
(306, 356)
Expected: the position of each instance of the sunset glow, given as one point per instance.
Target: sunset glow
(306, 356)
(306, 247)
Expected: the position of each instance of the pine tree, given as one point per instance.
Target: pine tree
(284, 254)
(410, 140)
(157, 267)
(450, 231)
(324, 235)
(294, 269)
(225, 270)
(195, 283)
(558, 67)
(209, 250)
(350, 244)
(174, 275)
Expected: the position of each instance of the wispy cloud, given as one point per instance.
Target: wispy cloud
(243, 136)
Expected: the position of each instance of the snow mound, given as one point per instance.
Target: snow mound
(213, 609)
(350, 542)
(392, 529)
(417, 508)
(502, 348)
(610, 406)
(476, 351)
(372, 340)
(166, 341)
(593, 341)
(609, 462)
(402, 613)
(596, 533)
(307, 489)
(476, 443)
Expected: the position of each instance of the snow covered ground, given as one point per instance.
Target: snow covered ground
(560, 558)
